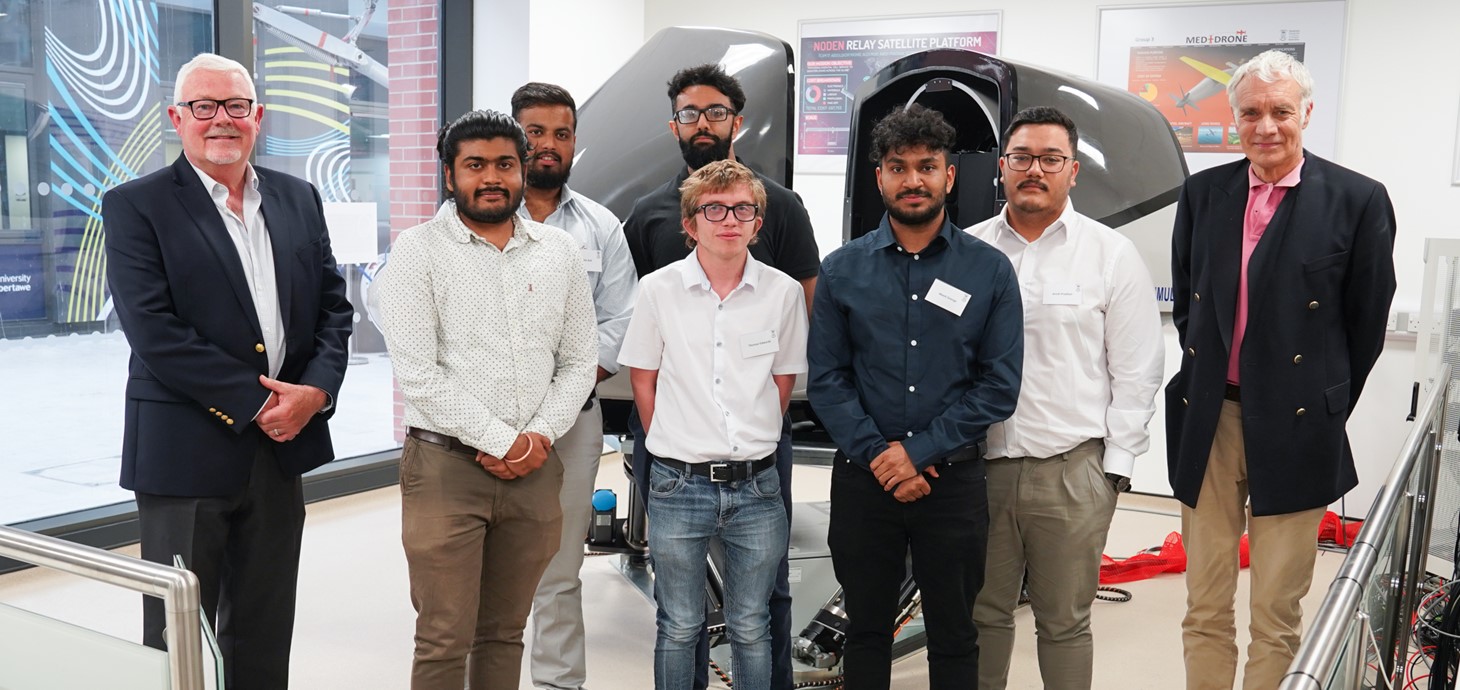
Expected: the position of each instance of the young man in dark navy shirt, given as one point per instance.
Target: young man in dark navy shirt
(916, 347)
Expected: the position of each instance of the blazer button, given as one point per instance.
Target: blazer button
(212, 409)
(1191, 351)
(1196, 296)
(1297, 359)
(1301, 411)
(1184, 402)
(1313, 304)
(259, 347)
(217, 413)
(229, 421)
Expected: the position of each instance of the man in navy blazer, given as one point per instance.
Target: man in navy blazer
(1283, 272)
(228, 293)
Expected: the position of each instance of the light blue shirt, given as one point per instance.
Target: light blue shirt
(610, 267)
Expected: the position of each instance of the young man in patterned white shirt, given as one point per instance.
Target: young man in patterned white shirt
(490, 326)
(713, 348)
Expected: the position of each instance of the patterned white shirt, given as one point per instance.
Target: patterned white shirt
(1093, 350)
(489, 343)
(715, 398)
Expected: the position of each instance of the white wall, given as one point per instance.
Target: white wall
(499, 57)
(578, 44)
(1393, 83)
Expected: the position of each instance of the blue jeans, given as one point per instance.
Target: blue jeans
(687, 512)
(781, 672)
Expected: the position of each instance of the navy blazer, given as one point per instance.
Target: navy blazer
(197, 350)
(1319, 286)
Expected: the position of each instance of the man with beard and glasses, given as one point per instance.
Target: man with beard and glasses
(1089, 386)
(707, 106)
(549, 116)
(489, 322)
(916, 349)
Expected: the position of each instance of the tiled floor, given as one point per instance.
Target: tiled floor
(355, 620)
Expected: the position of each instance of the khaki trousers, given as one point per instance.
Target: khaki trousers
(1282, 548)
(1049, 516)
(475, 548)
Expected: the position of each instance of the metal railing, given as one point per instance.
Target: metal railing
(1369, 605)
(177, 588)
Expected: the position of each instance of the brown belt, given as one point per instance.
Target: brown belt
(450, 443)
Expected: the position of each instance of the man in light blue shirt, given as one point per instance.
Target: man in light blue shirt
(550, 117)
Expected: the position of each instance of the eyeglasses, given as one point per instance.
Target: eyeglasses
(1050, 163)
(207, 108)
(717, 212)
(714, 113)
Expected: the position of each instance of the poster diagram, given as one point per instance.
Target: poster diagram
(834, 67)
(1188, 84)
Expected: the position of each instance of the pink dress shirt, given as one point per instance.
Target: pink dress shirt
(1262, 203)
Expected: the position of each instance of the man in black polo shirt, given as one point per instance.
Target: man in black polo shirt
(707, 105)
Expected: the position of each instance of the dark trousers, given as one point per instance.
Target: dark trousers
(244, 548)
(870, 536)
(781, 675)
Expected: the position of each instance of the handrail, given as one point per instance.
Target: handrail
(1325, 639)
(178, 589)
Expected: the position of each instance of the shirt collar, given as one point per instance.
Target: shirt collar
(694, 273)
(565, 197)
(1003, 229)
(883, 237)
(1289, 180)
(521, 230)
(214, 187)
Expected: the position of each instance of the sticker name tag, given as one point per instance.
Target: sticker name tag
(593, 260)
(759, 343)
(1062, 293)
(948, 297)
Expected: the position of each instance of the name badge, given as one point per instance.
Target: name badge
(1062, 293)
(948, 297)
(593, 260)
(759, 343)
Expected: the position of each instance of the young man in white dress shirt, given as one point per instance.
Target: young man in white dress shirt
(714, 347)
(549, 116)
(490, 328)
(1092, 364)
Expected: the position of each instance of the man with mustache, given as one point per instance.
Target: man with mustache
(1089, 390)
(1283, 268)
(707, 112)
(549, 116)
(917, 340)
(223, 278)
(490, 326)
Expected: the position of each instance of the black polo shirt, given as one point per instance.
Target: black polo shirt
(787, 242)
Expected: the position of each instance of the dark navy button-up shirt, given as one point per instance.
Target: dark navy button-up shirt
(887, 363)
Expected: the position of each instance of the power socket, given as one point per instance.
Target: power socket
(1414, 323)
(1393, 321)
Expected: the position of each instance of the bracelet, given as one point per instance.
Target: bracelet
(530, 445)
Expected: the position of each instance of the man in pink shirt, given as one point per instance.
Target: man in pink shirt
(1283, 272)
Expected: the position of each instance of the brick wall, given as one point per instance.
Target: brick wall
(414, 59)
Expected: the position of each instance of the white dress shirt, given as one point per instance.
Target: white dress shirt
(250, 237)
(1092, 341)
(488, 343)
(715, 399)
(610, 267)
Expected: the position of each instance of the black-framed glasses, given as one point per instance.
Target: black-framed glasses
(207, 108)
(717, 212)
(714, 113)
(1049, 162)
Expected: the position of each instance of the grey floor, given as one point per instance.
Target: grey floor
(355, 620)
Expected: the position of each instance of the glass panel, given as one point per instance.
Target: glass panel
(322, 77)
(41, 652)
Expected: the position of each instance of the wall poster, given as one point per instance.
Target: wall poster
(1180, 59)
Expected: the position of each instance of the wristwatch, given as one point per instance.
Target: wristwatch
(1121, 484)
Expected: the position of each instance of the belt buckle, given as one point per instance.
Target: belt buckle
(721, 472)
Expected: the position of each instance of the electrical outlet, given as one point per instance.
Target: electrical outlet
(1413, 323)
(1393, 321)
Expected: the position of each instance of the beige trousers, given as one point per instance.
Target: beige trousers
(1282, 548)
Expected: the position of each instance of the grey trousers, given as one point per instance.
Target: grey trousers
(1049, 516)
(559, 659)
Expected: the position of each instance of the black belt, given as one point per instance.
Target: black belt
(721, 471)
(1233, 393)
(973, 452)
(450, 443)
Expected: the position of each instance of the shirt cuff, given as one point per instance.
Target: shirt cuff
(1119, 461)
